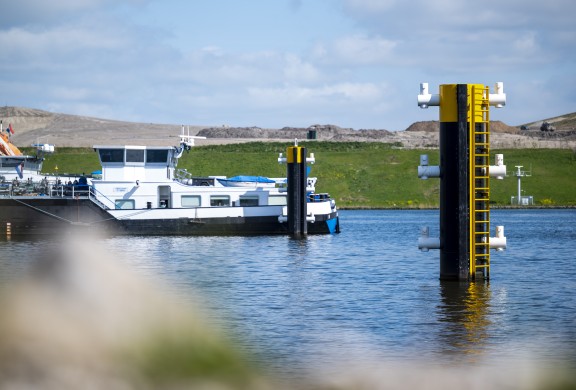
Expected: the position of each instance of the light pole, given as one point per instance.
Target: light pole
(519, 174)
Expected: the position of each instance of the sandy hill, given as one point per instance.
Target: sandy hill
(562, 123)
(434, 126)
(32, 126)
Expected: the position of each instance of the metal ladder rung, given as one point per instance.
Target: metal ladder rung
(479, 144)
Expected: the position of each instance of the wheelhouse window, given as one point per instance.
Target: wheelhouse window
(191, 201)
(135, 155)
(156, 156)
(219, 200)
(111, 155)
(277, 200)
(248, 201)
(124, 204)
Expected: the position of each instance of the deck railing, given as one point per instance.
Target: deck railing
(55, 189)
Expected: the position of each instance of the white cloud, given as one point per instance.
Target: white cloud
(363, 50)
(215, 51)
(301, 95)
(526, 43)
(356, 50)
(55, 12)
(369, 6)
(296, 70)
(66, 93)
(66, 39)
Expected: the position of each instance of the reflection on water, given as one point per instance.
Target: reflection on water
(463, 311)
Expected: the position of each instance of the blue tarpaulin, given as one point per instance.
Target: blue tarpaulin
(251, 179)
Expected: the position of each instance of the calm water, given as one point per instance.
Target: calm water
(368, 294)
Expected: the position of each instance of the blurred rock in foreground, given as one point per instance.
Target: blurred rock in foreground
(83, 321)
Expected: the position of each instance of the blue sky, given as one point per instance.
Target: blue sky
(276, 63)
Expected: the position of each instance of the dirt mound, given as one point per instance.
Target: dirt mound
(233, 132)
(501, 127)
(567, 135)
(25, 119)
(425, 126)
(7, 112)
(319, 132)
(563, 122)
(33, 126)
(434, 126)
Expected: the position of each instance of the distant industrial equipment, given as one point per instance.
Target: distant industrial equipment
(547, 126)
(522, 200)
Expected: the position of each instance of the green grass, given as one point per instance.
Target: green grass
(69, 161)
(359, 174)
(553, 180)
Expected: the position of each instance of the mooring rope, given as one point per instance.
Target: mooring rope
(44, 211)
(78, 223)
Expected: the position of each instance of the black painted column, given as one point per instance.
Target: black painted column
(454, 199)
(297, 180)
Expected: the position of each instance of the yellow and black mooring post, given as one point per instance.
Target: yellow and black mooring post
(297, 181)
(464, 174)
(453, 181)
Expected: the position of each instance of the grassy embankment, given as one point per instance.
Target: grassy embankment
(364, 175)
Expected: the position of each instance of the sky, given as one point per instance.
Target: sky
(274, 63)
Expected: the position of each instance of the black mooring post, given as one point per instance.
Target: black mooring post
(297, 179)
(454, 184)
